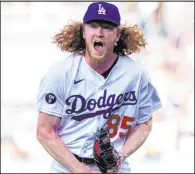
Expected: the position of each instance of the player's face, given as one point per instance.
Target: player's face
(100, 38)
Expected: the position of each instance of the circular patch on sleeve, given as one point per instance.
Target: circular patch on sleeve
(50, 98)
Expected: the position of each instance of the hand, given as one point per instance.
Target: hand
(87, 170)
(123, 156)
(95, 171)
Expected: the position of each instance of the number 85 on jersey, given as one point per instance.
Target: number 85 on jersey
(114, 122)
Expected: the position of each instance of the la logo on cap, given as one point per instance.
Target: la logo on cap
(101, 9)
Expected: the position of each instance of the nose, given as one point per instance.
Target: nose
(99, 32)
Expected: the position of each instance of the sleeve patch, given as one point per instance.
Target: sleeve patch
(50, 98)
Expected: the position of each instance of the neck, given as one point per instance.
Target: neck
(103, 65)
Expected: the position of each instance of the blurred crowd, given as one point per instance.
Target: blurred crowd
(27, 29)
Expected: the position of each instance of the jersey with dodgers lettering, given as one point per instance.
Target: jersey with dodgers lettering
(86, 101)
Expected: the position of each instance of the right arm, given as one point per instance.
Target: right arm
(54, 146)
(49, 118)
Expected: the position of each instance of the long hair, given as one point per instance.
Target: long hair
(70, 39)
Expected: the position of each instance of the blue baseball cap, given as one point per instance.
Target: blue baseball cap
(103, 11)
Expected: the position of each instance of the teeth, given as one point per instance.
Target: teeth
(97, 41)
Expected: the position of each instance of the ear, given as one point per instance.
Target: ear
(83, 30)
(118, 34)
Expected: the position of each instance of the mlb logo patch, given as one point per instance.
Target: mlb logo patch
(50, 98)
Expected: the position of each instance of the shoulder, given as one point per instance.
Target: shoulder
(65, 65)
(131, 66)
(61, 69)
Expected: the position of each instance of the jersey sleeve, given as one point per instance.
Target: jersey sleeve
(149, 100)
(50, 98)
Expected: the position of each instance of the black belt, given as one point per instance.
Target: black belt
(85, 160)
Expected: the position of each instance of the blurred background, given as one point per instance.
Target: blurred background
(27, 51)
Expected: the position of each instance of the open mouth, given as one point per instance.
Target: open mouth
(98, 45)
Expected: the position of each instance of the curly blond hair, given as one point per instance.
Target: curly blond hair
(71, 39)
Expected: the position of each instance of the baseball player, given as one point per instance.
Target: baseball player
(95, 106)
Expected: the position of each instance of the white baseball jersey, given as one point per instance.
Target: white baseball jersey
(86, 101)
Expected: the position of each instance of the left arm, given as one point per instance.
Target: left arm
(136, 139)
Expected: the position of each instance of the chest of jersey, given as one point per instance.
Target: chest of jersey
(91, 99)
